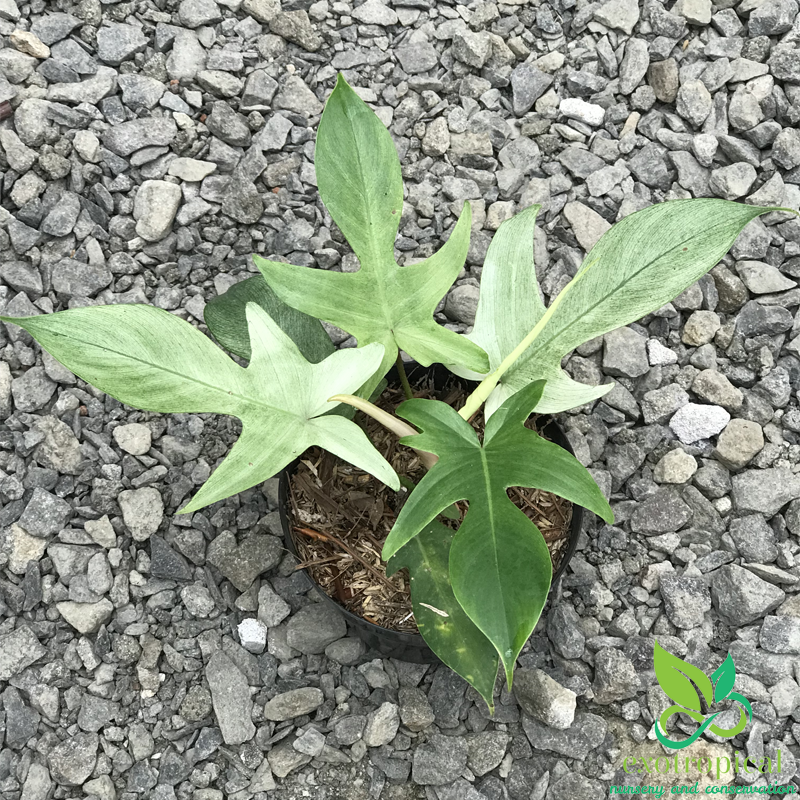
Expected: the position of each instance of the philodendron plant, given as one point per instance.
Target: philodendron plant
(477, 591)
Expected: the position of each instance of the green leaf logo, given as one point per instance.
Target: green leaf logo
(681, 682)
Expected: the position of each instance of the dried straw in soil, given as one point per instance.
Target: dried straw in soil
(341, 516)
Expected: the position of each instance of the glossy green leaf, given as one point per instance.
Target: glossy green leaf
(508, 308)
(500, 567)
(443, 623)
(676, 678)
(641, 263)
(226, 319)
(359, 180)
(150, 359)
(724, 677)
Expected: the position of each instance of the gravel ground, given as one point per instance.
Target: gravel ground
(153, 147)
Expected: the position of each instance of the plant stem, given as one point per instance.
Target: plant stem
(401, 371)
(488, 384)
(395, 425)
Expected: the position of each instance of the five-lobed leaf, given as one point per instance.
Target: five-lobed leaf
(443, 623)
(500, 567)
(150, 359)
(226, 319)
(359, 180)
(643, 262)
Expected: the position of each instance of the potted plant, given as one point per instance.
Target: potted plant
(481, 583)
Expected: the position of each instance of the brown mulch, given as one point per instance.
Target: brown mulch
(341, 516)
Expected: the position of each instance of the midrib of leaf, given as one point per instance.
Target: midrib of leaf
(225, 393)
(493, 528)
(603, 298)
(374, 272)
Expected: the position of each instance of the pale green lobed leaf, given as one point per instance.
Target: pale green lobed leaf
(644, 261)
(150, 359)
(359, 179)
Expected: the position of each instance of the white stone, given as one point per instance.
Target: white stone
(253, 635)
(134, 438)
(373, 12)
(154, 209)
(86, 617)
(87, 146)
(101, 531)
(30, 44)
(694, 422)
(677, 466)
(191, 169)
(21, 548)
(658, 355)
(142, 511)
(575, 108)
(587, 225)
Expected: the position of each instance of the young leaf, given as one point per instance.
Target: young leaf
(641, 263)
(151, 359)
(676, 677)
(444, 625)
(500, 566)
(227, 321)
(359, 180)
(724, 677)
(508, 308)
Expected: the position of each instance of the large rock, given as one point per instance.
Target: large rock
(542, 697)
(125, 138)
(440, 760)
(741, 597)
(72, 761)
(382, 725)
(614, 676)
(242, 563)
(18, 650)
(294, 703)
(230, 695)
(314, 627)
(739, 443)
(765, 491)
(686, 599)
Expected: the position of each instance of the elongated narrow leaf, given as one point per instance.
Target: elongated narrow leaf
(500, 567)
(151, 359)
(444, 625)
(641, 263)
(676, 677)
(226, 319)
(508, 308)
(359, 179)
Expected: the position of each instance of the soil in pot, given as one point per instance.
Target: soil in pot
(340, 515)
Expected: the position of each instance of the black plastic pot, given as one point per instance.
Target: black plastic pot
(397, 644)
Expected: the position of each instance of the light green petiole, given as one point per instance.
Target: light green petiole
(388, 421)
(488, 384)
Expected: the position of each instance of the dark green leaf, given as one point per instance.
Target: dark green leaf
(442, 622)
(500, 566)
(227, 321)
